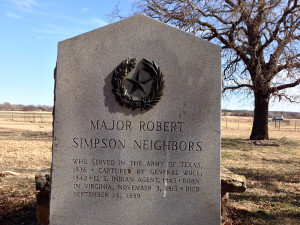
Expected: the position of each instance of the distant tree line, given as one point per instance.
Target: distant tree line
(6, 106)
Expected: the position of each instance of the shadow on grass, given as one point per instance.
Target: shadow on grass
(247, 145)
(22, 214)
(229, 143)
(273, 209)
(282, 161)
(244, 217)
(242, 214)
(264, 175)
(16, 134)
(288, 142)
(236, 144)
(291, 200)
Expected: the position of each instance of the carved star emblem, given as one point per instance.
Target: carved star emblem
(138, 83)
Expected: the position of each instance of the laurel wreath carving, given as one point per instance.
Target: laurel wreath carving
(121, 94)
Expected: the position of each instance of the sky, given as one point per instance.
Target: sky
(30, 31)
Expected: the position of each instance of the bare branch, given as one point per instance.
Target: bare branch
(237, 87)
(286, 66)
(260, 41)
(287, 11)
(284, 86)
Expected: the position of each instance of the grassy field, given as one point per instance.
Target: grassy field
(25, 148)
(273, 173)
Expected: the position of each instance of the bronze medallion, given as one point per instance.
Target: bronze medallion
(126, 98)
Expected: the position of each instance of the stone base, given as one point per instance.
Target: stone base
(230, 183)
(42, 214)
(42, 181)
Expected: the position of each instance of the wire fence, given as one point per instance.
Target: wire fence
(247, 122)
(34, 117)
(231, 122)
(286, 125)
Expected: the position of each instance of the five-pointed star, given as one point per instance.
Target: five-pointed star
(137, 83)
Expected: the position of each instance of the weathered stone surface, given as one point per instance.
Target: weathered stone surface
(230, 183)
(112, 165)
(42, 214)
(224, 203)
(43, 188)
(266, 143)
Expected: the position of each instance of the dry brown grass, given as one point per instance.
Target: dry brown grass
(240, 127)
(25, 148)
(273, 173)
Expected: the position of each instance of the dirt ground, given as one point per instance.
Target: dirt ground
(272, 172)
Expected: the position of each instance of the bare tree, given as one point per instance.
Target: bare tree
(6, 106)
(260, 42)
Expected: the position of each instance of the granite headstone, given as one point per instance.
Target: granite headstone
(136, 127)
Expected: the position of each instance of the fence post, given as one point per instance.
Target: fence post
(295, 125)
(226, 122)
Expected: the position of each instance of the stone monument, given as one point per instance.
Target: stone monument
(136, 127)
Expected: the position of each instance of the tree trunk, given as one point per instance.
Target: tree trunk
(260, 121)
